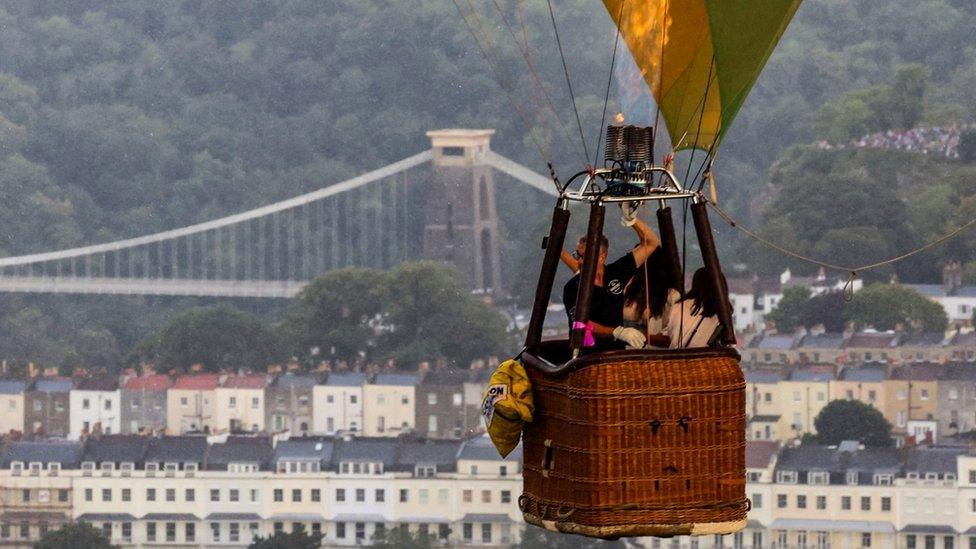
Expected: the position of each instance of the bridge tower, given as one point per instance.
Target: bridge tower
(461, 219)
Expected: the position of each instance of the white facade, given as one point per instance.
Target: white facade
(389, 410)
(89, 409)
(337, 408)
(239, 409)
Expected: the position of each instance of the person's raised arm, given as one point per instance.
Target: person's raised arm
(648, 240)
(570, 261)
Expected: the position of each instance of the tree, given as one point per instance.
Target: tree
(334, 313)
(74, 535)
(967, 146)
(296, 539)
(538, 538)
(889, 306)
(402, 538)
(791, 311)
(842, 420)
(216, 337)
(826, 309)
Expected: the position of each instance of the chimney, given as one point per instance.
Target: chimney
(951, 276)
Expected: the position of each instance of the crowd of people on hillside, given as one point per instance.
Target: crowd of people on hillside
(935, 140)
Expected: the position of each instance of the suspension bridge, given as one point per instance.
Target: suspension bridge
(438, 204)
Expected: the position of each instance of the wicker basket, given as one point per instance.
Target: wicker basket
(636, 443)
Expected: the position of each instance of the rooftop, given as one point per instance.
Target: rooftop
(177, 449)
(240, 450)
(482, 449)
(811, 374)
(863, 374)
(53, 385)
(822, 341)
(353, 379)
(197, 382)
(101, 383)
(305, 448)
(115, 449)
(871, 340)
(68, 454)
(154, 382)
(759, 453)
(402, 380)
(295, 381)
(11, 387)
(253, 381)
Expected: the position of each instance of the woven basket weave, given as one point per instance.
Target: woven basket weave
(637, 443)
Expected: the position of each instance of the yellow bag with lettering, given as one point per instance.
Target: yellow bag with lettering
(506, 405)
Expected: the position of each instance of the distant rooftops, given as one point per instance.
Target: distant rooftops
(253, 381)
(102, 383)
(12, 387)
(759, 453)
(403, 380)
(353, 379)
(863, 374)
(295, 381)
(197, 382)
(154, 382)
(811, 374)
(53, 385)
(68, 454)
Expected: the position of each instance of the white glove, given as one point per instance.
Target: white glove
(631, 336)
(629, 214)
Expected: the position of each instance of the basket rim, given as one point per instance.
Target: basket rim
(534, 359)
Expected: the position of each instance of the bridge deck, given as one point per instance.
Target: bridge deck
(152, 286)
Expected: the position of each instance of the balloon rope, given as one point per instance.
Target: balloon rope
(527, 56)
(498, 79)
(606, 98)
(569, 81)
(852, 270)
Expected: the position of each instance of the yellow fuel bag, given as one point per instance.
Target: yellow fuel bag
(507, 405)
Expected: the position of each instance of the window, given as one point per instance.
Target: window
(466, 497)
(235, 531)
(502, 470)
(845, 503)
(296, 494)
(818, 477)
(88, 495)
(171, 494)
(404, 495)
(781, 501)
(150, 531)
(106, 530)
(360, 532)
(191, 531)
(85, 404)
(432, 424)
(255, 404)
(340, 494)
(380, 495)
(353, 399)
(184, 402)
(786, 477)
(150, 494)
(62, 495)
(457, 399)
(341, 530)
(191, 494)
(910, 542)
(215, 531)
(756, 501)
(423, 496)
(468, 532)
(316, 495)
(442, 496)
(215, 494)
(234, 495)
(866, 539)
(883, 479)
(948, 542)
(329, 399)
(821, 502)
(170, 531)
(486, 533)
(405, 399)
(279, 527)
(886, 503)
(279, 495)
(381, 424)
(865, 503)
(432, 398)
(232, 403)
(127, 531)
(360, 495)
(924, 394)
(801, 501)
(506, 496)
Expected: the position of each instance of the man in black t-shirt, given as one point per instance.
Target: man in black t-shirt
(607, 303)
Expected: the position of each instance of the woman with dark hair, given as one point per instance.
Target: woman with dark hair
(694, 319)
(648, 298)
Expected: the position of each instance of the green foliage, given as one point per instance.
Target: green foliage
(842, 420)
(417, 311)
(967, 146)
(215, 337)
(790, 313)
(534, 537)
(889, 306)
(74, 535)
(296, 539)
(402, 538)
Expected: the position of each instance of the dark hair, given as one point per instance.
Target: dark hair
(653, 276)
(604, 242)
(705, 300)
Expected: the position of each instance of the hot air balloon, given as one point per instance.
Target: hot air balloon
(645, 442)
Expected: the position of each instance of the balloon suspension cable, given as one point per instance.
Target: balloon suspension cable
(606, 97)
(500, 81)
(852, 271)
(569, 81)
(527, 57)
